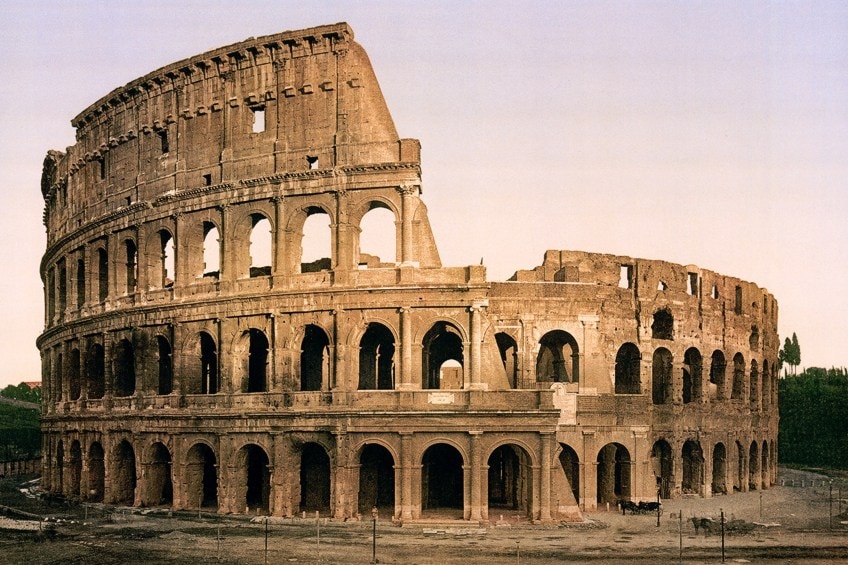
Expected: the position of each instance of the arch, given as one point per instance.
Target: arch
(661, 376)
(754, 391)
(60, 465)
(719, 484)
(376, 358)
(662, 326)
(123, 475)
(754, 339)
(558, 359)
(765, 467)
(315, 485)
(718, 366)
(766, 385)
(102, 274)
(164, 363)
(75, 470)
(692, 382)
(95, 371)
(253, 479)
(510, 479)
(663, 460)
(166, 273)
(442, 480)
(160, 488)
(508, 349)
(58, 375)
(96, 472)
(376, 479)
(261, 246)
(130, 265)
(443, 342)
(211, 250)
(314, 358)
(693, 467)
(753, 467)
(316, 241)
(628, 370)
(378, 236)
(256, 366)
(201, 477)
(75, 387)
(209, 378)
(613, 473)
(80, 282)
(124, 368)
(738, 377)
(739, 480)
(570, 462)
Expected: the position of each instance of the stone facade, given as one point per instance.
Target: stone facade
(186, 365)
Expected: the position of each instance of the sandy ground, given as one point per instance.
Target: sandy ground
(787, 525)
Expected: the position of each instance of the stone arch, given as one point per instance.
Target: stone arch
(739, 479)
(74, 374)
(738, 377)
(96, 472)
(766, 386)
(250, 357)
(60, 466)
(252, 479)
(377, 358)
(719, 484)
(314, 358)
(102, 274)
(753, 467)
(718, 367)
(123, 475)
(130, 266)
(662, 381)
(662, 326)
(165, 365)
(663, 461)
(95, 371)
(201, 477)
(376, 479)
(558, 359)
(442, 479)
(316, 241)
(510, 479)
(570, 463)
(754, 384)
(377, 232)
(211, 250)
(628, 372)
(124, 360)
(75, 470)
(765, 467)
(315, 478)
(158, 476)
(693, 467)
(261, 244)
(613, 473)
(692, 381)
(160, 259)
(508, 349)
(443, 342)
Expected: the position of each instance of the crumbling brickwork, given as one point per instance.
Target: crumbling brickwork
(186, 365)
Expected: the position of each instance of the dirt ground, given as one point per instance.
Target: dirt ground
(784, 524)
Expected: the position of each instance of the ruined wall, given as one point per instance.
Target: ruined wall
(185, 365)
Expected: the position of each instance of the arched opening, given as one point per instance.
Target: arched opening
(160, 489)
(166, 262)
(754, 339)
(314, 478)
(627, 370)
(766, 386)
(201, 477)
(123, 476)
(256, 476)
(257, 362)
(613, 473)
(754, 396)
(693, 467)
(96, 472)
(738, 377)
(508, 349)
(376, 358)
(442, 481)
(741, 463)
(166, 373)
(441, 344)
(376, 480)
(753, 467)
(511, 480)
(75, 469)
(558, 359)
(314, 359)
(102, 274)
(211, 251)
(316, 244)
(663, 325)
(692, 381)
(570, 463)
(765, 465)
(80, 283)
(663, 460)
(74, 374)
(261, 247)
(95, 371)
(60, 466)
(717, 370)
(208, 364)
(719, 485)
(661, 376)
(130, 265)
(58, 376)
(377, 239)
(124, 368)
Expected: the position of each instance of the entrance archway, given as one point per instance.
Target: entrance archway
(693, 467)
(719, 485)
(613, 473)
(124, 474)
(256, 478)
(376, 480)
(510, 480)
(96, 473)
(314, 478)
(201, 477)
(571, 467)
(442, 480)
(160, 488)
(663, 467)
(75, 469)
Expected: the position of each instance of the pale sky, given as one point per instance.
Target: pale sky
(705, 133)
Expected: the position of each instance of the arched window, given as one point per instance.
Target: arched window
(316, 243)
(260, 246)
(442, 344)
(208, 364)
(508, 349)
(692, 383)
(376, 358)
(558, 359)
(738, 377)
(717, 369)
(165, 369)
(74, 374)
(131, 265)
(754, 396)
(314, 359)
(627, 370)
(257, 364)
(124, 368)
(102, 274)
(211, 251)
(80, 283)
(661, 376)
(95, 367)
(663, 325)
(377, 239)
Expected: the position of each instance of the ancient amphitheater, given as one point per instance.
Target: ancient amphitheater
(192, 356)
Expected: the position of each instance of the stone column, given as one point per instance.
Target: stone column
(588, 472)
(406, 472)
(342, 480)
(408, 194)
(476, 368)
(590, 338)
(545, 487)
(342, 235)
(476, 502)
(339, 368)
(406, 348)
(226, 260)
(280, 265)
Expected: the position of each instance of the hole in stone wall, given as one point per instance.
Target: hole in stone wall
(207, 179)
(692, 284)
(260, 246)
(163, 141)
(211, 250)
(625, 279)
(258, 119)
(316, 242)
(714, 292)
(662, 286)
(312, 161)
(377, 239)
(737, 306)
(663, 325)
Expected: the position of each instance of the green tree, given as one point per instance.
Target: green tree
(790, 354)
(22, 392)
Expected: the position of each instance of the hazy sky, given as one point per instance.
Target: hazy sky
(712, 133)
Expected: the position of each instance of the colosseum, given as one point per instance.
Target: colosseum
(194, 358)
